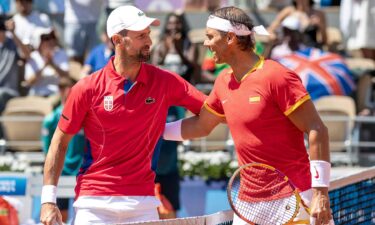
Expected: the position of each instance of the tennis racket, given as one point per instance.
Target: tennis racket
(262, 195)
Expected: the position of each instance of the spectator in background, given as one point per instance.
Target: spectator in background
(5, 7)
(174, 51)
(46, 65)
(55, 10)
(212, 5)
(99, 56)
(74, 154)
(194, 5)
(112, 4)
(291, 38)
(210, 69)
(313, 22)
(27, 20)
(11, 50)
(80, 21)
(167, 174)
(357, 23)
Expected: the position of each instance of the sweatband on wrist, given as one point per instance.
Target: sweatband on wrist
(320, 173)
(172, 131)
(48, 194)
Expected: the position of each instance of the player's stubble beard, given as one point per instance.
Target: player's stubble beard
(144, 54)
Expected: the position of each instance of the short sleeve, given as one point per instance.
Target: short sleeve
(289, 92)
(75, 108)
(213, 102)
(182, 93)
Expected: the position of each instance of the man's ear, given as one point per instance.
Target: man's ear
(231, 38)
(116, 39)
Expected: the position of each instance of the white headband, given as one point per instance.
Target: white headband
(221, 24)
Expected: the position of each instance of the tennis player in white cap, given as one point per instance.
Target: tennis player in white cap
(122, 109)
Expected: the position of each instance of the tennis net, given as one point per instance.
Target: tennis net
(353, 198)
(220, 218)
(352, 202)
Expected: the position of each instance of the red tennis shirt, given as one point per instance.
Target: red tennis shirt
(122, 127)
(256, 110)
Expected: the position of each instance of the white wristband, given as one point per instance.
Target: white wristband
(320, 173)
(172, 131)
(48, 194)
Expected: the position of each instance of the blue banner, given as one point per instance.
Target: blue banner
(13, 185)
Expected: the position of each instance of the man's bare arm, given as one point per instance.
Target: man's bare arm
(307, 119)
(50, 214)
(56, 157)
(201, 125)
(192, 127)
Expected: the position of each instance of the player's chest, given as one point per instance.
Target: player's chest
(116, 103)
(245, 104)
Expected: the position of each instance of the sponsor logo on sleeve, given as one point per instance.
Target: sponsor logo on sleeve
(64, 117)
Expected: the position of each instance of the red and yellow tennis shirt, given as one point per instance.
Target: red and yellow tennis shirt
(122, 124)
(256, 110)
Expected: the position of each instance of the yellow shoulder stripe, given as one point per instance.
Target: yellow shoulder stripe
(212, 110)
(296, 105)
(258, 65)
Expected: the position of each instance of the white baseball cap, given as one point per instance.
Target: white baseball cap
(36, 38)
(130, 18)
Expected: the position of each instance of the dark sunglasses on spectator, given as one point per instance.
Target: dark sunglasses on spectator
(27, 1)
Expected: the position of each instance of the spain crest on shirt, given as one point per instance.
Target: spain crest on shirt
(108, 103)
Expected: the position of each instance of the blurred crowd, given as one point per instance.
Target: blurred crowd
(47, 45)
(43, 41)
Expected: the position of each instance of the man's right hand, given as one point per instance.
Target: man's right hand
(50, 214)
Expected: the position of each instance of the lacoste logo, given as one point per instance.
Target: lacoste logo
(141, 14)
(316, 173)
(149, 100)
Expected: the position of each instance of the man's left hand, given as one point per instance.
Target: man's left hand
(320, 208)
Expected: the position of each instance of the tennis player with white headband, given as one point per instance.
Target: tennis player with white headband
(268, 111)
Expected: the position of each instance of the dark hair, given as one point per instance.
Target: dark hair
(66, 82)
(47, 37)
(185, 28)
(2, 23)
(238, 17)
(311, 3)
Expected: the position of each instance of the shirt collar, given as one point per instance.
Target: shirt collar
(258, 65)
(141, 78)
